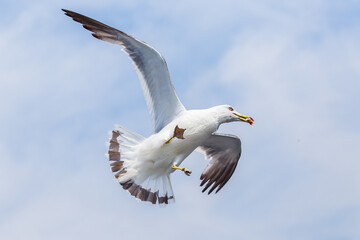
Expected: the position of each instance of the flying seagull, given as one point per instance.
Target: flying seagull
(143, 165)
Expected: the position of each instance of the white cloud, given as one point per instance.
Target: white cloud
(283, 63)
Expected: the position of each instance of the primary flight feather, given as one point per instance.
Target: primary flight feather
(143, 165)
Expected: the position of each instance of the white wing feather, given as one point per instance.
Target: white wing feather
(162, 101)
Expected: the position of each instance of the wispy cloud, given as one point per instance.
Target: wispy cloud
(293, 66)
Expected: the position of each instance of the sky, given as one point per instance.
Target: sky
(294, 66)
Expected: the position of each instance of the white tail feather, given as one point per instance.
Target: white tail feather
(154, 189)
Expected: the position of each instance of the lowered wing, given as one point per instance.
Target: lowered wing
(224, 152)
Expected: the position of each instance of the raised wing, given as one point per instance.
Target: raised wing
(161, 99)
(224, 152)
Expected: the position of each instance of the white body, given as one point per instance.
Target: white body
(152, 157)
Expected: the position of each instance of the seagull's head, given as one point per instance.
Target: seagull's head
(227, 113)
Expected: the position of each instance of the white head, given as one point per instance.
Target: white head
(226, 113)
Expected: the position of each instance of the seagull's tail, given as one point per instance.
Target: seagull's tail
(133, 177)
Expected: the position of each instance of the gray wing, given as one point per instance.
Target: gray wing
(224, 152)
(161, 99)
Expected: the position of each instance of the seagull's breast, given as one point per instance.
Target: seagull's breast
(197, 125)
(198, 128)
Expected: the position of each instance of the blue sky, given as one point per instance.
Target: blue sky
(293, 66)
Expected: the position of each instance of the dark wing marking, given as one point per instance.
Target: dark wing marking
(224, 152)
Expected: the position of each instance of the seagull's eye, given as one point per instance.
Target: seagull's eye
(231, 109)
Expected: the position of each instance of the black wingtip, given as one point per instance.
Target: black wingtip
(67, 12)
(70, 13)
(212, 189)
(218, 189)
(96, 36)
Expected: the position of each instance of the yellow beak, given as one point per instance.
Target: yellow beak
(245, 118)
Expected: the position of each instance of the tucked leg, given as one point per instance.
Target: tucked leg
(167, 141)
(178, 133)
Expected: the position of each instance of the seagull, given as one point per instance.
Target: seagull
(142, 165)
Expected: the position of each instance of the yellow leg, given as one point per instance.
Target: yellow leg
(167, 141)
(185, 170)
(178, 133)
